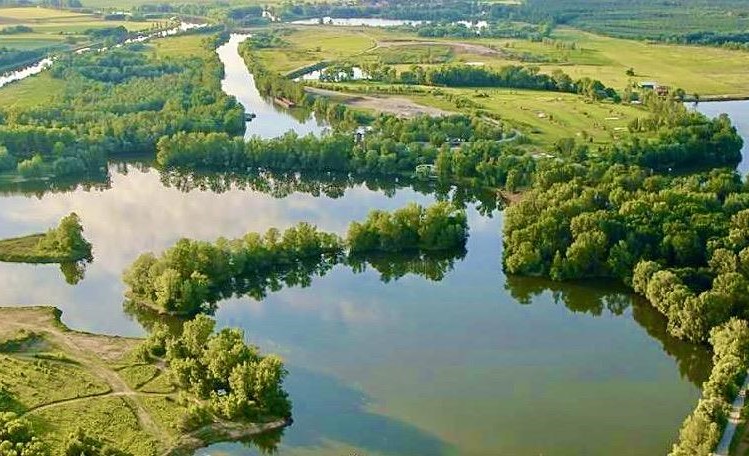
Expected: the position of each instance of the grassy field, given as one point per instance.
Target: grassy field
(41, 88)
(702, 70)
(696, 69)
(311, 44)
(55, 29)
(61, 380)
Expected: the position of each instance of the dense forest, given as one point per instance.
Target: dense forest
(192, 276)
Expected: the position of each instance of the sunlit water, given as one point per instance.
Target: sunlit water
(271, 120)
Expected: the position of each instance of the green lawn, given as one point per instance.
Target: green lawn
(696, 69)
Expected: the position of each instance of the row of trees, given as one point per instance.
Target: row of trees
(510, 76)
(192, 276)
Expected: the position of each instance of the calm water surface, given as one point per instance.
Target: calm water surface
(475, 364)
(739, 113)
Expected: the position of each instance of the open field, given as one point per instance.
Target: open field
(312, 44)
(61, 380)
(54, 30)
(696, 69)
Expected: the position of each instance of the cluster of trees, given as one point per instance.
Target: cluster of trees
(460, 146)
(231, 379)
(147, 97)
(192, 276)
(11, 58)
(107, 33)
(510, 76)
(115, 66)
(440, 10)
(17, 437)
(492, 29)
(679, 239)
(438, 227)
(66, 241)
(701, 430)
(15, 29)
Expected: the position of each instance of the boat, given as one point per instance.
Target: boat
(248, 116)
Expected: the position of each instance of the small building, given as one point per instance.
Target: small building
(649, 85)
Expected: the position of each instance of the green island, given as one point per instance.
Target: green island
(64, 244)
(574, 118)
(192, 276)
(68, 392)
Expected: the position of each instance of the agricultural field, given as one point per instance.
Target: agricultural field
(696, 69)
(45, 30)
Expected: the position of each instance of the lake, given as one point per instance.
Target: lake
(477, 363)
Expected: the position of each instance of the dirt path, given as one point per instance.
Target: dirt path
(733, 421)
(78, 346)
(401, 107)
(50, 405)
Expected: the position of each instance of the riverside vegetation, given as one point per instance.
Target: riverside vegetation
(192, 276)
(64, 392)
(59, 245)
(660, 210)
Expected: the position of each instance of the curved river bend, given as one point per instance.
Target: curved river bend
(475, 364)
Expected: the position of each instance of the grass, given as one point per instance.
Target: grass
(56, 29)
(696, 69)
(62, 380)
(23, 377)
(180, 46)
(312, 44)
(30, 92)
(138, 375)
(111, 419)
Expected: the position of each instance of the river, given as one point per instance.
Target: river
(477, 363)
(738, 111)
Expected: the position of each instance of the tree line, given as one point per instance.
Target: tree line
(147, 97)
(192, 276)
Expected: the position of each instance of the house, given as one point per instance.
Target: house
(650, 85)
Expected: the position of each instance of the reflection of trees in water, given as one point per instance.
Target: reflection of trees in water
(75, 271)
(433, 266)
(41, 187)
(331, 185)
(277, 185)
(593, 298)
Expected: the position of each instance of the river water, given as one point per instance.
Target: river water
(738, 111)
(477, 363)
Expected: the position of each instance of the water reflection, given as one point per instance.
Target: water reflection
(594, 298)
(441, 360)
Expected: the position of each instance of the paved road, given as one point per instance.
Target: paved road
(733, 421)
